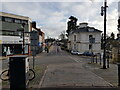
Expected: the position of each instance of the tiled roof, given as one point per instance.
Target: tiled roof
(86, 29)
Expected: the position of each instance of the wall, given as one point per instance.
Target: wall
(82, 42)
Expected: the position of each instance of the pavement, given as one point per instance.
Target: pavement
(72, 74)
(109, 74)
(79, 74)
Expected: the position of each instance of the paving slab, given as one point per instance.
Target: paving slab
(71, 74)
(110, 74)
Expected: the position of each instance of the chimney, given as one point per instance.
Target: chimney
(34, 24)
(81, 25)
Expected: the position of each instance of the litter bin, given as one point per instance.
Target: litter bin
(19, 76)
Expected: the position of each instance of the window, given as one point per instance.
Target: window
(74, 37)
(91, 39)
(9, 33)
(7, 19)
(91, 29)
(24, 21)
(90, 36)
(90, 46)
(17, 21)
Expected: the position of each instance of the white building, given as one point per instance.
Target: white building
(85, 38)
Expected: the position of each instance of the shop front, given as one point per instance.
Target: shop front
(12, 45)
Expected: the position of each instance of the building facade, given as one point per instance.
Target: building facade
(85, 38)
(11, 39)
(41, 37)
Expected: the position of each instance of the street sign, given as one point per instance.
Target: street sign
(34, 38)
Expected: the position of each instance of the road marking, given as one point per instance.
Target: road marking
(76, 60)
(103, 79)
(42, 79)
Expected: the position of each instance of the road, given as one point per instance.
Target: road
(58, 57)
(53, 57)
(64, 69)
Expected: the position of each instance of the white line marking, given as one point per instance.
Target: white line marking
(103, 79)
(41, 81)
(74, 59)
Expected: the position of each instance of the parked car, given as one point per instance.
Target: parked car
(88, 53)
(75, 52)
(80, 53)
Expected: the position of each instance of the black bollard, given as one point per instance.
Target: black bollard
(93, 59)
(118, 74)
(108, 61)
(100, 59)
(96, 58)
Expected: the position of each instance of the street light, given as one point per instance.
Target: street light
(23, 25)
(23, 36)
(103, 12)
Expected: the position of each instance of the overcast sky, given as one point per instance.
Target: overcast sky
(52, 15)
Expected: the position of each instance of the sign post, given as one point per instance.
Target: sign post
(34, 38)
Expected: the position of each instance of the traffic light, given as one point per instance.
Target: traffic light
(102, 11)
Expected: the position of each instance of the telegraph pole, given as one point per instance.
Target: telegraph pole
(103, 12)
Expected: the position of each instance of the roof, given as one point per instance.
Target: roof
(14, 16)
(86, 29)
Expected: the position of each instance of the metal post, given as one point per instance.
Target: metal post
(23, 24)
(104, 55)
(107, 61)
(100, 59)
(23, 43)
(33, 61)
(118, 74)
(93, 59)
(96, 58)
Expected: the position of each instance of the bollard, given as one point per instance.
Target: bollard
(108, 61)
(100, 59)
(93, 59)
(118, 74)
(96, 58)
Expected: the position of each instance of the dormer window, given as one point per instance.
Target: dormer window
(91, 39)
(91, 29)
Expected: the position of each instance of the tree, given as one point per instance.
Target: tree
(71, 25)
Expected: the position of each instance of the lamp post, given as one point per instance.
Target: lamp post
(118, 38)
(23, 25)
(103, 12)
(23, 36)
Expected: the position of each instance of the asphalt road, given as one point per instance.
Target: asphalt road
(55, 56)
(64, 69)
(58, 56)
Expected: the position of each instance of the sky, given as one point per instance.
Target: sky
(52, 15)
